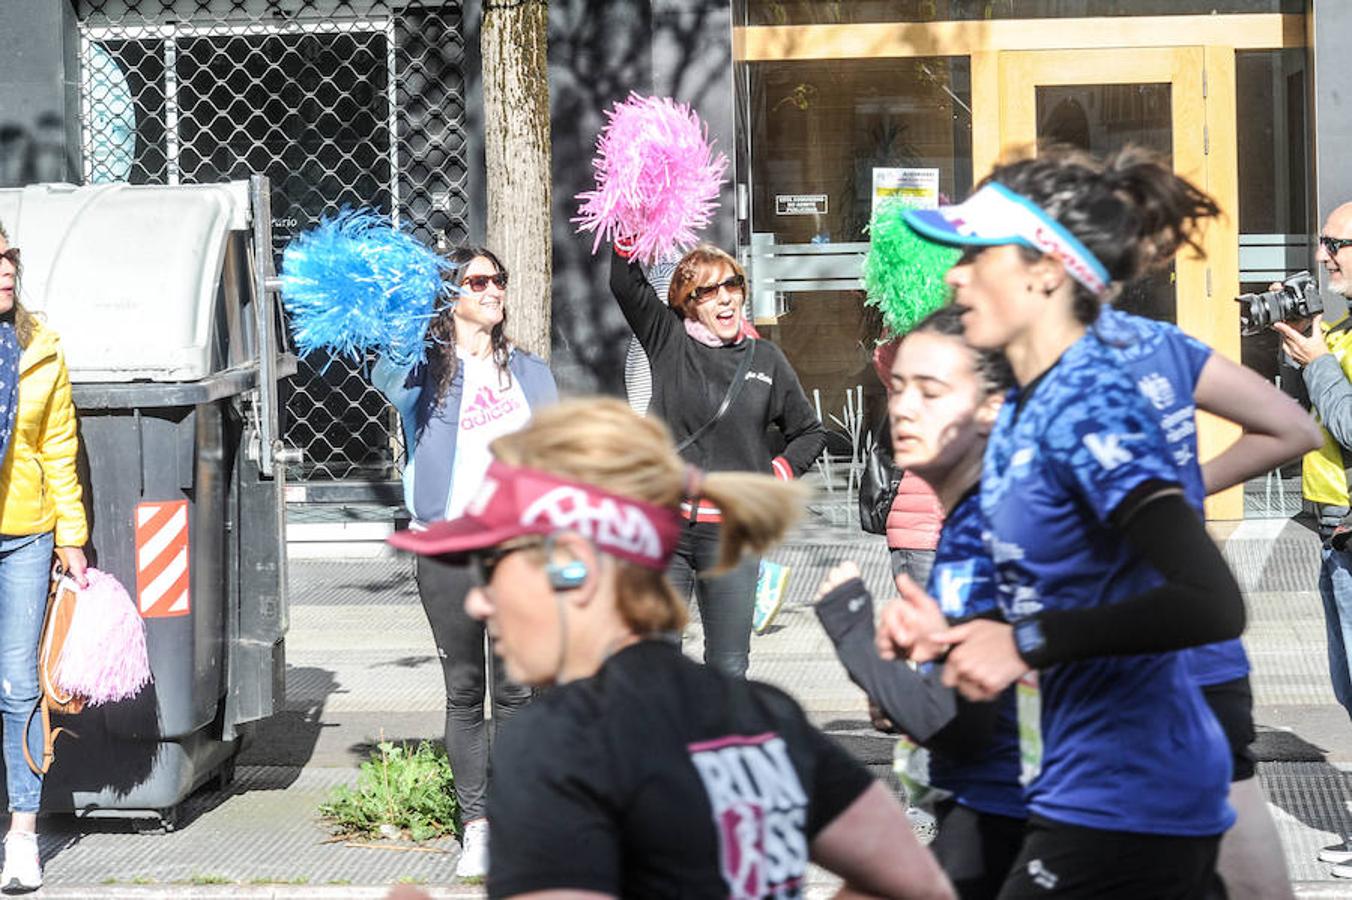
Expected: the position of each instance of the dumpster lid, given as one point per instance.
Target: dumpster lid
(128, 275)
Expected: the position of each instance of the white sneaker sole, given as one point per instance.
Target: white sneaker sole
(15, 886)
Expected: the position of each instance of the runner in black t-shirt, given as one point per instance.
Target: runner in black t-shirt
(642, 773)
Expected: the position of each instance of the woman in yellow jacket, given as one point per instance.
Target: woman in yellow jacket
(40, 513)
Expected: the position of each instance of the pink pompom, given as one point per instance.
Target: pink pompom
(104, 658)
(657, 178)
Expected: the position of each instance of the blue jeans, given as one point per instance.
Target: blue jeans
(727, 603)
(1335, 589)
(25, 573)
(915, 563)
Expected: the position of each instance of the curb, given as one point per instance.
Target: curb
(1313, 890)
(1322, 890)
(245, 891)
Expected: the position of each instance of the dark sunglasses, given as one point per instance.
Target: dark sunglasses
(12, 254)
(478, 283)
(485, 562)
(1332, 245)
(704, 292)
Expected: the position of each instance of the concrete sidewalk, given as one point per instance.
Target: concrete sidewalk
(361, 665)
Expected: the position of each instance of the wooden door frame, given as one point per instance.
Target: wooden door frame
(1204, 136)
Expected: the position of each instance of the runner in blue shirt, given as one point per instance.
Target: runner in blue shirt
(942, 401)
(1178, 374)
(1103, 566)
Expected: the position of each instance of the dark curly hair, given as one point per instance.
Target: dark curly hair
(992, 368)
(441, 359)
(1129, 209)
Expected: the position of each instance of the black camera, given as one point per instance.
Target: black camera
(1298, 298)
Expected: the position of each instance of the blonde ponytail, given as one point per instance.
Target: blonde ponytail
(757, 511)
(601, 441)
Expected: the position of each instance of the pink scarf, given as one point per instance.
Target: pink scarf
(701, 333)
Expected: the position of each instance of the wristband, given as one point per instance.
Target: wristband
(1030, 641)
(624, 247)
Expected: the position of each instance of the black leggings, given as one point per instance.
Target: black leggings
(442, 587)
(1064, 861)
(975, 849)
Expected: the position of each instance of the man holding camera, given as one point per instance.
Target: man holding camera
(1324, 358)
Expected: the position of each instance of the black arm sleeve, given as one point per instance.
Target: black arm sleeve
(652, 322)
(927, 712)
(1199, 602)
(918, 704)
(804, 436)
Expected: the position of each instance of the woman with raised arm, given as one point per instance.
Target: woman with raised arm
(473, 386)
(720, 390)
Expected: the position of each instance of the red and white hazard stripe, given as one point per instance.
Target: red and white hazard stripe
(162, 574)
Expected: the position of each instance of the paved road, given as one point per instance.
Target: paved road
(361, 665)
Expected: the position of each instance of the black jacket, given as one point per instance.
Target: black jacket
(690, 380)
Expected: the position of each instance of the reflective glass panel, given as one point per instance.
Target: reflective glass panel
(815, 137)
(805, 12)
(1102, 118)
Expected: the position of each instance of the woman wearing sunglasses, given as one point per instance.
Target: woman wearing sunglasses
(472, 387)
(719, 389)
(641, 773)
(41, 512)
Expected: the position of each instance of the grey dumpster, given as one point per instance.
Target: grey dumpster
(163, 300)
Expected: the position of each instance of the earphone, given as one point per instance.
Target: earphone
(567, 576)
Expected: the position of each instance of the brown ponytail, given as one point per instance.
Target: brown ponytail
(602, 441)
(1130, 210)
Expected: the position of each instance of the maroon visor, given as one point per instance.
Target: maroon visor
(514, 502)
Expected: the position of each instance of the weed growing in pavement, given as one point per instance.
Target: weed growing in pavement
(209, 879)
(142, 879)
(409, 879)
(411, 790)
(299, 879)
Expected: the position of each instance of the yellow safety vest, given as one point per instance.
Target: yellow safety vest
(1323, 473)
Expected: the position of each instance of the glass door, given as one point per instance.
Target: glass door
(1170, 100)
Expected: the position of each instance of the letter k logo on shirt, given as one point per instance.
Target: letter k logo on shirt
(1107, 449)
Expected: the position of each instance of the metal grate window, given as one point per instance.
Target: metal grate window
(339, 102)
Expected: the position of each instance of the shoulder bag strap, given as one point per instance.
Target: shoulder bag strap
(733, 390)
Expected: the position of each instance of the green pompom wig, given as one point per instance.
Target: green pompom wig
(904, 272)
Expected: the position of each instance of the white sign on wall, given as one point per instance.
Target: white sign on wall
(800, 204)
(919, 188)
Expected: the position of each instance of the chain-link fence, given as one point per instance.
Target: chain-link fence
(339, 102)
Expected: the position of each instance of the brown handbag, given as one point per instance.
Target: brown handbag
(61, 601)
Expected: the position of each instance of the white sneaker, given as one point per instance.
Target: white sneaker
(1336, 854)
(473, 850)
(923, 824)
(23, 869)
(1342, 871)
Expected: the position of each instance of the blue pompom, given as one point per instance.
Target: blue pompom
(355, 283)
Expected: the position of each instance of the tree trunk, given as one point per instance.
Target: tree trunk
(513, 42)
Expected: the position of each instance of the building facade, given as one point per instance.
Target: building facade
(823, 105)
